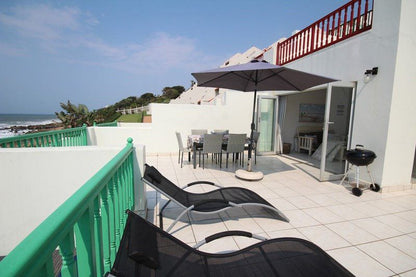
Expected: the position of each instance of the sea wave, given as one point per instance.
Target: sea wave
(7, 121)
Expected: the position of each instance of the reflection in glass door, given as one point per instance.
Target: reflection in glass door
(266, 119)
(336, 132)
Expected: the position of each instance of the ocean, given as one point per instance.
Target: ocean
(8, 120)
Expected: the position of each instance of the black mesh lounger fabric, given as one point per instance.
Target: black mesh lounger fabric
(146, 250)
(204, 202)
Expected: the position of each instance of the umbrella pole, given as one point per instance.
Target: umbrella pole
(248, 174)
(253, 127)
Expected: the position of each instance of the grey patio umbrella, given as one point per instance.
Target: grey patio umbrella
(257, 76)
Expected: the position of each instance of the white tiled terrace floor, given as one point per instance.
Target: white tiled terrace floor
(371, 235)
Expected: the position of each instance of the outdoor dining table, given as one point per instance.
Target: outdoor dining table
(196, 142)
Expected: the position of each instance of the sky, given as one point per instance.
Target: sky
(99, 52)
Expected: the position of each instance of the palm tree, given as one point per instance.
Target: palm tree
(75, 116)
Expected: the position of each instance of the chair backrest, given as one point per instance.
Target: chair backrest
(236, 143)
(199, 131)
(159, 182)
(220, 132)
(180, 142)
(212, 143)
(301, 130)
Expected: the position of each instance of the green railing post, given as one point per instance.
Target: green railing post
(112, 225)
(105, 219)
(84, 134)
(122, 197)
(67, 250)
(98, 239)
(83, 241)
(116, 195)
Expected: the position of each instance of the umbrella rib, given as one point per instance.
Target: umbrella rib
(248, 78)
(283, 79)
(222, 76)
(210, 80)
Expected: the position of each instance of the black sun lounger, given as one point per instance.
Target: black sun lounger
(210, 202)
(146, 250)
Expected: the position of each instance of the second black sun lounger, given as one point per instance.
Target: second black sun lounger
(210, 202)
(146, 250)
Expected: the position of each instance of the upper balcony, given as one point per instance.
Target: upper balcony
(345, 22)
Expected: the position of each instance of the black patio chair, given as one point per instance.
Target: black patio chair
(210, 202)
(146, 250)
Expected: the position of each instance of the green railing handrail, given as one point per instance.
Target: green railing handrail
(106, 124)
(92, 219)
(66, 137)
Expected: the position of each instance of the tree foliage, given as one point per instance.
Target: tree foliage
(173, 92)
(75, 116)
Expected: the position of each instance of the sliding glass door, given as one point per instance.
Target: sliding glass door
(266, 124)
(336, 131)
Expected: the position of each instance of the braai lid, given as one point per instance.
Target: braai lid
(360, 156)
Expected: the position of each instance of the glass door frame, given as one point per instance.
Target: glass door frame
(275, 118)
(325, 176)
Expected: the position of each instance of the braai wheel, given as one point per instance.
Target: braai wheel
(375, 187)
(357, 191)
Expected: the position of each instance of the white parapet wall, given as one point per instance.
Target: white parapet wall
(159, 136)
(36, 181)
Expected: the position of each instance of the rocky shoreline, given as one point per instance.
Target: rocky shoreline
(28, 129)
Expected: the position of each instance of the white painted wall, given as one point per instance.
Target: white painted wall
(36, 181)
(384, 118)
(159, 136)
(401, 137)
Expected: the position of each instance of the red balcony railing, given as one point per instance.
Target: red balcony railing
(349, 20)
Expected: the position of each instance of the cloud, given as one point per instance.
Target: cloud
(10, 50)
(68, 33)
(41, 22)
(162, 52)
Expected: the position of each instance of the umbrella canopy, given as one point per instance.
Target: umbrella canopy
(258, 76)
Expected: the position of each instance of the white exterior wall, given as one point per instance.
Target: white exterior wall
(36, 181)
(159, 136)
(401, 137)
(384, 119)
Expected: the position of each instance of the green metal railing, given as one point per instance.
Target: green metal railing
(87, 228)
(67, 137)
(106, 124)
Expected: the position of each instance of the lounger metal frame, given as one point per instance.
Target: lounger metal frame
(190, 208)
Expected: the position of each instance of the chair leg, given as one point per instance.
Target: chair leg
(179, 155)
(220, 159)
(241, 157)
(182, 160)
